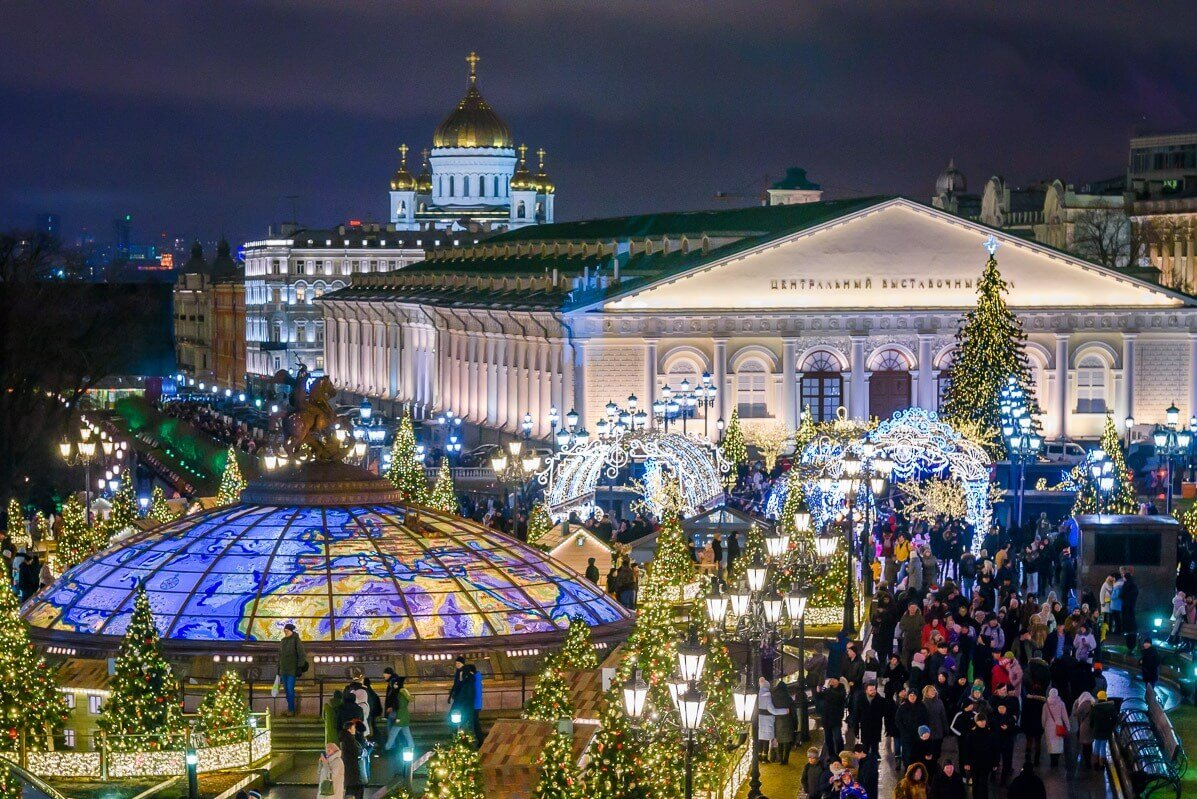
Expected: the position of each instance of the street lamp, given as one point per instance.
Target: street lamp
(1023, 444)
(691, 706)
(1173, 444)
(84, 455)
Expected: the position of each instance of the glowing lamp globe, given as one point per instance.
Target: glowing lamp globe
(635, 693)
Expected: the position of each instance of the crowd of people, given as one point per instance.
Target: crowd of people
(219, 426)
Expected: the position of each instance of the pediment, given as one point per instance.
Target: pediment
(899, 254)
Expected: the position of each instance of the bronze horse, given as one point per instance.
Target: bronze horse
(311, 419)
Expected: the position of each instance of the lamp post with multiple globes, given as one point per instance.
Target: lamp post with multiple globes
(1172, 443)
(85, 452)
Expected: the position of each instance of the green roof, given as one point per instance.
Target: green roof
(796, 179)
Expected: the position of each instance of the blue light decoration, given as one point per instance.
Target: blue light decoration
(339, 573)
(777, 499)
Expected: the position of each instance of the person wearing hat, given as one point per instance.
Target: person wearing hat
(1101, 722)
(816, 778)
(353, 758)
(914, 784)
(1028, 784)
(977, 754)
(292, 663)
(948, 783)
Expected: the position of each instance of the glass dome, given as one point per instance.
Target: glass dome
(341, 573)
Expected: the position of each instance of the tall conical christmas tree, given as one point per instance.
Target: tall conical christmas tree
(614, 771)
(990, 349)
(1121, 499)
(77, 541)
(124, 506)
(671, 567)
(11, 786)
(405, 471)
(752, 550)
(559, 775)
(224, 711)
(578, 650)
(444, 495)
(734, 448)
(550, 699)
(712, 759)
(231, 481)
(652, 648)
(30, 702)
(455, 771)
(539, 523)
(144, 710)
(159, 510)
(16, 526)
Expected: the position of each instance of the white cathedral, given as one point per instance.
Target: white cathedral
(472, 174)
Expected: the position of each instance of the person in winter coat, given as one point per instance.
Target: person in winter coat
(292, 662)
(784, 724)
(1031, 721)
(908, 717)
(977, 753)
(937, 718)
(910, 632)
(832, 699)
(1014, 670)
(1004, 722)
(1130, 602)
(331, 770)
(398, 714)
(332, 720)
(1101, 723)
(868, 716)
(1027, 785)
(353, 755)
(868, 769)
(948, 783)
(348, 711)
(765, 727)
(914, 573)
(816, 779)
(1149, 664)
(1055, 725)
(914, 784)
(1082, 716)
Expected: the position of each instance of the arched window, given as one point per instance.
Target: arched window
(482, 185)
(685, 369)
(891, 361)
(1091, 384)
(301, 293)
(752, 380)
(402, 209)
(822, 386)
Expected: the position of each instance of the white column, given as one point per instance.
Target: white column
(721, 379)
(649, 395)
(492, 381)
(859, 400)
(579, 383)
(1061, 385)
(557, 394)
(1126, 397)
(540, 416)
(925, 394)
(523, 374)
(1192, 374)
(789, 383)
(474, 354)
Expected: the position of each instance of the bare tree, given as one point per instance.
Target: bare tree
(1104, 234)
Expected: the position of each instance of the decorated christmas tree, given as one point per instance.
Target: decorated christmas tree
(144, 709)
(29, 700)
(652, 649)
(455, 771)
(754, 546)
(711, 757)
(224, 711)
(16, 526)
(1121, 498)
(77, 541)
(231, 481)
(539, 523)
(806, 432)
(124, 506)
(734, 448)
(672, 566)
(550, 699)
(444, 495)
(990, 349)
(10, 784)
(578, 650)
(45, 531)
(159, 510)
(559, 775)
(405, 471)
(614, 769)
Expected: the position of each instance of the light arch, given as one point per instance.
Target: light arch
(879, 356)
(757, 352)
(1099, 348)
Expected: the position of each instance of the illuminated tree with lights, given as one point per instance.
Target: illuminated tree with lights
(159, 510)
(231, 481)
(652, 648)
(734, 448)
(1121, 498)
(455, 771)
(444, 494)
(806, 432)
(578, 651)
(78, 541)
(672, 566)
(406, 472)
(550, 699)
(124, 507)
(539, 523)
(10, 784)
(990, 349)
(16, 526)
(224, 711)
(30, 701)
(143, 710)
(559, 774)
(613, 771)
(719, 725)
(753, 549)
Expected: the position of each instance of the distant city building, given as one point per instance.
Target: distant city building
(794, 188)
(228, 319)
(122, 233)
(49, 225)
(201, 335)
(1162, 177)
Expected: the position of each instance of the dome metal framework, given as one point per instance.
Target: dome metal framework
(349, 570)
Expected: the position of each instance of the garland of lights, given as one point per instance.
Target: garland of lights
(571, 477)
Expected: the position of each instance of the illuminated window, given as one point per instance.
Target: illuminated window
(301, 293)
(69, 696)
(1091, 385)
(822, 386)
(752, 380)
(95, 703)
(68, 738)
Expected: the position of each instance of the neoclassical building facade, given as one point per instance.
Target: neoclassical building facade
(851, 302)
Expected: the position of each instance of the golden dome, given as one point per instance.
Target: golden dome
(424, 179)
(473, 123)
(543, 184)
(403, 181)
(522, 180)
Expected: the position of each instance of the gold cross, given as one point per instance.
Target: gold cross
(540, 154)
(472, 59)
(403, 153)
(424, 153)
(523, 153)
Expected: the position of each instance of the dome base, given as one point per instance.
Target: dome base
(319, 483)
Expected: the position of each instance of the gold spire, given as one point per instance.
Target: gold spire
(473, 123)
(540, 154)
(543, 184)
(403, 181)
(424, 180)
(522, 180)
(472, 59)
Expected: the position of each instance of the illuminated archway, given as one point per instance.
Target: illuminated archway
(572, 476)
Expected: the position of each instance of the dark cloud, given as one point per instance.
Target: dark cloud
(203, 117)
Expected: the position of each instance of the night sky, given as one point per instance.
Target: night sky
(200, 118)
